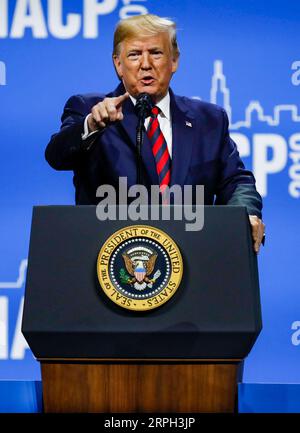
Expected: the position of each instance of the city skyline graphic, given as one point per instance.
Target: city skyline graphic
(19, 282)
(219, 89)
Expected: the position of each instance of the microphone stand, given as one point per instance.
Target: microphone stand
(139, 144)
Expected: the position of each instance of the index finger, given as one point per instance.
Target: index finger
(120, 99)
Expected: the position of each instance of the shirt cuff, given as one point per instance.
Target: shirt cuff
(86, 133)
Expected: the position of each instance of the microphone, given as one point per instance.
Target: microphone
(143, 106)
(142, 109)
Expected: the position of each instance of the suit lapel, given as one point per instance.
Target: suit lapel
(183, 136)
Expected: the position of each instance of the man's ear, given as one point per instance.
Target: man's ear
(118, 66)
(175, 62)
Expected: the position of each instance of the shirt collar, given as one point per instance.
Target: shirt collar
(163, 105)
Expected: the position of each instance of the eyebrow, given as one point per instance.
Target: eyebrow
(138, 50)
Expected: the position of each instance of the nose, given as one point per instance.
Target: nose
(145, 62)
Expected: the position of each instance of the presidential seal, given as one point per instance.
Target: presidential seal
(139, 267)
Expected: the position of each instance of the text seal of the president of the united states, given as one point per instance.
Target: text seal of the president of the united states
(139, 267)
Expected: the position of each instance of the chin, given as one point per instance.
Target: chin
(148, 89)
(151, 90)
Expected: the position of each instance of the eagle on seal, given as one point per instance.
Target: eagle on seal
(140, 270)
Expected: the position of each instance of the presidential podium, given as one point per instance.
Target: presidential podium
(183, 356)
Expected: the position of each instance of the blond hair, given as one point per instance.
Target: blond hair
(143, 26)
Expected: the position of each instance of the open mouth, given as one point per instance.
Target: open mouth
(147, 81)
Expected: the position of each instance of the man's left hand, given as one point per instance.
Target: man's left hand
(258, 231)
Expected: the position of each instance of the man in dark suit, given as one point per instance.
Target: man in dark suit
(187, 141)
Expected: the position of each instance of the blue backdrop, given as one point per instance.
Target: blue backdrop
(242, 55)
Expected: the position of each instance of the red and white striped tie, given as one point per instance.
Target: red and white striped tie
(160, 150)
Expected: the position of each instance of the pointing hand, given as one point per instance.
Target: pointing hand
(105, 112)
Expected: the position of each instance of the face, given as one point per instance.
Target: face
(146, 65)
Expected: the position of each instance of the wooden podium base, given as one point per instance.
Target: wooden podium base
(114, 386)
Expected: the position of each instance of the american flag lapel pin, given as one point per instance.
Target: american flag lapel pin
(188, 124)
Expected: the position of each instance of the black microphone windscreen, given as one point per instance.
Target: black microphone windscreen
(143, 105)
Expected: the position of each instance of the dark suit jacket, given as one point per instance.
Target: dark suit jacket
(202, 154)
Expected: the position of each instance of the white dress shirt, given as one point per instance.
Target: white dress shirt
(164, 119)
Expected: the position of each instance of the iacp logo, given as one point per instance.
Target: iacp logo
(54, 20)
(2, 74)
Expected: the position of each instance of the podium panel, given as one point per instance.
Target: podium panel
(139, 387)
